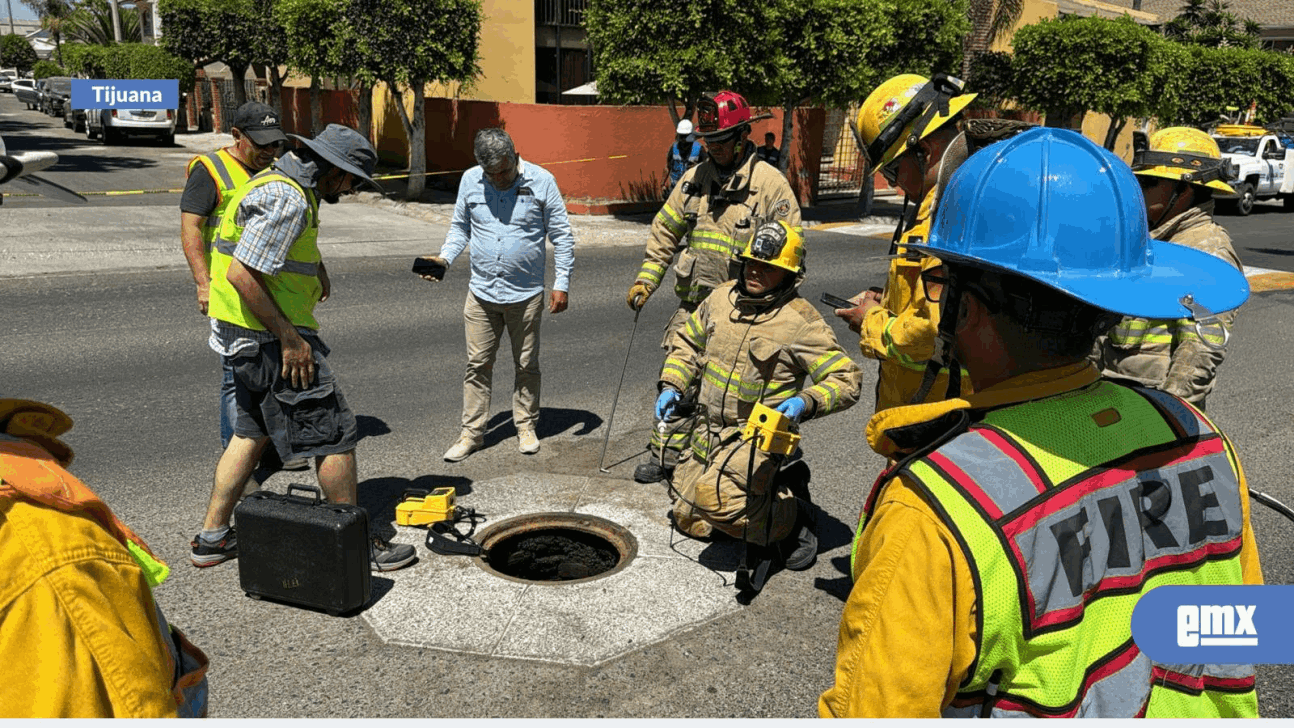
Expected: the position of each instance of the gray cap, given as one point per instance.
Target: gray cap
(344, 147)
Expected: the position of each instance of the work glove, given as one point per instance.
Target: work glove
(665, 403)
(793, 408)
(639, 292)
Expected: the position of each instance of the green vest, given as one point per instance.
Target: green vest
(295, 288)
(229, 175)
(1068, 509)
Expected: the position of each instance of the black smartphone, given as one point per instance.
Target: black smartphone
(836, 301)
(429, 267)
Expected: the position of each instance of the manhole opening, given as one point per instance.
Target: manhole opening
(556, 548)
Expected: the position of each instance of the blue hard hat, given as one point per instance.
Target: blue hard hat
(1050, 205)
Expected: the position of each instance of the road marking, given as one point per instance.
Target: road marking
(867, 230)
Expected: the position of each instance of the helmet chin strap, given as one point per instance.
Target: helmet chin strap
(943, 357)
(1178, 190)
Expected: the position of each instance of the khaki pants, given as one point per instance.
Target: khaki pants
(485, 323)
(718, 495)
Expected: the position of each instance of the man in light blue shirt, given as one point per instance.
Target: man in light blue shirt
(506, 209)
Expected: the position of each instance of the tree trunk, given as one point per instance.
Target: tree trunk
(364, 110)
(276, 89)
(1112, 134)
(240, 84)
(1065, 118)
(414, 131)
(316, 107)
(788, 124)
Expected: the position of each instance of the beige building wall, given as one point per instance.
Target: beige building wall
(507, 55)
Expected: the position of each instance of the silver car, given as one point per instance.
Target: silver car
(112, 125)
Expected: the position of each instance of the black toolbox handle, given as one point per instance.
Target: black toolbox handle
(318, 494)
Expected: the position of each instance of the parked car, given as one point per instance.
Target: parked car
(1261, 162)
(25, 91)
(112, 125)
(7, 77)
(58, 91)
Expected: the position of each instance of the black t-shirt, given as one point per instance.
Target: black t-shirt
(200, 193)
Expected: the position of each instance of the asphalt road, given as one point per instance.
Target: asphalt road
(125, 355)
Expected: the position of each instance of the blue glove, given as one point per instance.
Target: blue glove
(665, 403)
(793, 408)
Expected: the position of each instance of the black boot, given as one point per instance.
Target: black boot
(801, 547)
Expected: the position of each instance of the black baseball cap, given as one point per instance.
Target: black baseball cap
(259, 122)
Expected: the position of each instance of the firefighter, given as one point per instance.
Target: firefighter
(709, 217)
(753, 340)
(1179, 169)
(909, 124)
(1022, 522)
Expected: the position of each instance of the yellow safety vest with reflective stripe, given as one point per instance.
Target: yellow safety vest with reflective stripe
(295, 288)
(1066, 521)
(229, 175)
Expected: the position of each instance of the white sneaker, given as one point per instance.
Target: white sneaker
(461, 449)
(527, 442)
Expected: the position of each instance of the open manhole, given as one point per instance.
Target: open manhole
(555, 548)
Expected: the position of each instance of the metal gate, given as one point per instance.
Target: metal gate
(841, 173)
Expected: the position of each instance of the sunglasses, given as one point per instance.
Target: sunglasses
(933, 282)
(891, 172)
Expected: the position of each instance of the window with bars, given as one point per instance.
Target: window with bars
(563, 13)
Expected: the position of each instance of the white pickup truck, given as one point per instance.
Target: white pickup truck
(1264, 165)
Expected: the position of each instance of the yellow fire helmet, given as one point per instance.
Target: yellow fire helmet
(1181, 153)
(776, 243)
(904, 110)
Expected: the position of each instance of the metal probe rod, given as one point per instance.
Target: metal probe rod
(616, 401)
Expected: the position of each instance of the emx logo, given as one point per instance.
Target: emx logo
(1215, 625)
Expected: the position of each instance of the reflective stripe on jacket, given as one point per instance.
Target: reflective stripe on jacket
(743, 354)
(295, 288)
(901, 331)
(726, 217)
(228, 176)
(1169, 354)
(1068, 509)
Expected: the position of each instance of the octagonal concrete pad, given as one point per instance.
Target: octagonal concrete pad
(673, 584)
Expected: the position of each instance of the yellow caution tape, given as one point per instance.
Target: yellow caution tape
(115, 193)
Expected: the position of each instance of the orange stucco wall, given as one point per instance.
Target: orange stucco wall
(600, 155)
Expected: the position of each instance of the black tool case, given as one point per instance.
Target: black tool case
(303, 551)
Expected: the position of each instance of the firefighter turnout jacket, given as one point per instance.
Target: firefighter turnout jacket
(742, 350)
(1170, 355)
(901, 331)
(708, 220)
(1014, 553)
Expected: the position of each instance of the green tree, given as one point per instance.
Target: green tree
(268, 49)
(1211, 23)
(53, 16)
(927, 36)
(45, 69)
(410, 43)
(670, 51)
(992, 78)
(16, 52)
(205, 31)
(828, 52)
(91, 23)
(1073, 65)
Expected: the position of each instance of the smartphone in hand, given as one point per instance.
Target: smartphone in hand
(837, 301)
(429, 267)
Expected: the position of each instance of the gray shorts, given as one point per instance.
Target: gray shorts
(301, 423)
